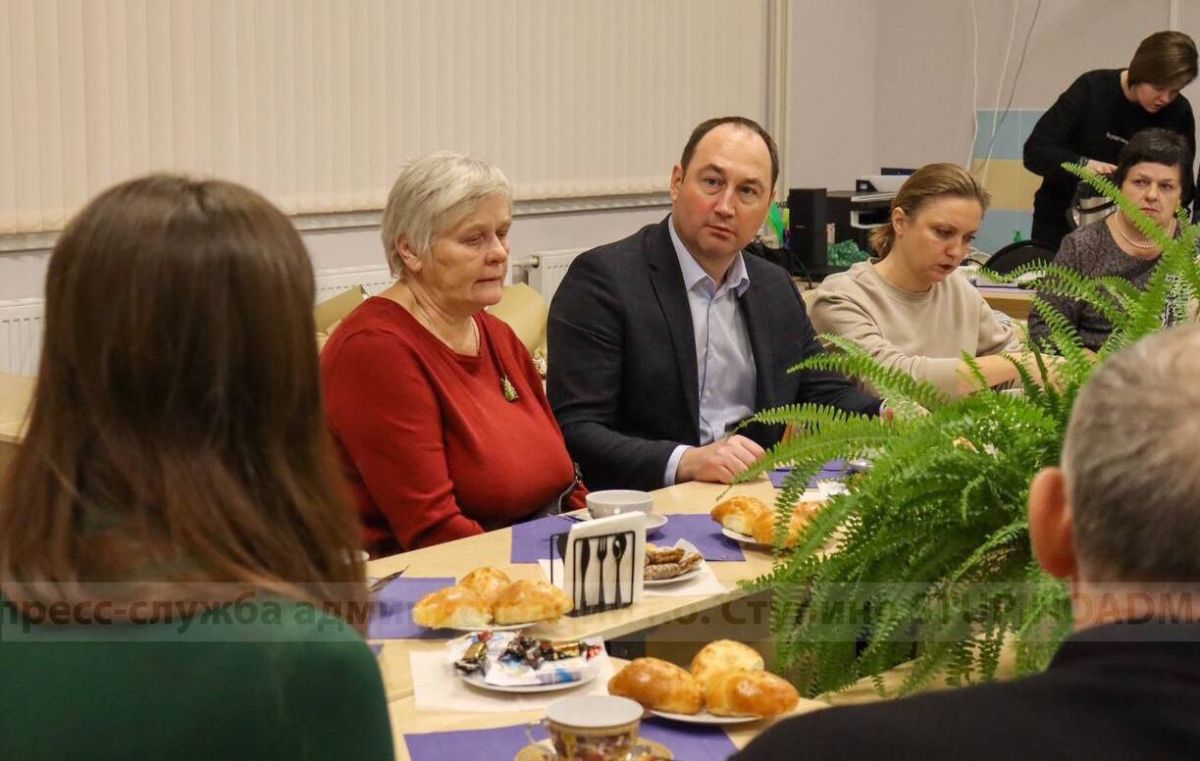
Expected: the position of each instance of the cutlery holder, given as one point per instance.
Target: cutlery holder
(601, 571)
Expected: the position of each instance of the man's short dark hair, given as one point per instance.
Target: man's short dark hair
(705, 127)
(1157, 146)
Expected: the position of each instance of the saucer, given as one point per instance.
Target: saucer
(544, 751)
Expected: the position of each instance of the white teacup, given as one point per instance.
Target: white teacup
(602, 504)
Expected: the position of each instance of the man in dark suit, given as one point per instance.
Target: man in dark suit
(1120, 521)
(661, 343)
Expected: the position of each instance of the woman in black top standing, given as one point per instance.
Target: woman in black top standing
(1096, 116)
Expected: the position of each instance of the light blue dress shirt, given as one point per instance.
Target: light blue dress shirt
(724, 358)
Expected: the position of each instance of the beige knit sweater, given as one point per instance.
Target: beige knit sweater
(923, 334)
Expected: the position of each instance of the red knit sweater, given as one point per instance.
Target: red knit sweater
(432, 449)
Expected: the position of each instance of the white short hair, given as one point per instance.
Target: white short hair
(430, 195)
(1132, 463)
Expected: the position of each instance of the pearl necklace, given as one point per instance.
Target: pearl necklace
(1144, 246)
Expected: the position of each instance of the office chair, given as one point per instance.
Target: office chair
(1018, 254)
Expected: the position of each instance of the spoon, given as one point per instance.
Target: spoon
(602, 555)
(620, 544)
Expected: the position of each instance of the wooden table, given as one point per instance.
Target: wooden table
(494, 548)
(16, 392)
(1014, 302)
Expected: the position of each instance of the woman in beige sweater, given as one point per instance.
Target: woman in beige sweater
(909, 307)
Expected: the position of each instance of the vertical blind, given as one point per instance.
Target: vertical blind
(317, 103)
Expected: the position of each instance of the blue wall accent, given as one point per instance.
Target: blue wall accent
(1000, 225)
(1014, 129)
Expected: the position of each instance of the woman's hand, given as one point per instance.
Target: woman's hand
(1101, 167)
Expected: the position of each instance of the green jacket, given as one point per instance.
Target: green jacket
(274, 679)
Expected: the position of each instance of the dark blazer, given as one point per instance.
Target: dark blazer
(622, 358)
(1121, 691)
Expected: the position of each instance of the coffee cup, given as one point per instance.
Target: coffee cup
(602, 504)
(592, 728)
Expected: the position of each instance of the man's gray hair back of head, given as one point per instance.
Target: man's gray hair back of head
(1132, 463)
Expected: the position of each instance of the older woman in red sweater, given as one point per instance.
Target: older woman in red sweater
(435, 405)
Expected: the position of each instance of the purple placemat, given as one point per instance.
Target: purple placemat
(531, 541)
(392, 616)
(692, 742)
(700, 530)
(834, 470)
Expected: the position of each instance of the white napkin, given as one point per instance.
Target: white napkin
(703, 583)
(438, 687)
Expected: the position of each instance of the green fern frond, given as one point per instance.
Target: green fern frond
(852, 360)
(930, 545)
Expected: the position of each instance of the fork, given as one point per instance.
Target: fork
(379, 584)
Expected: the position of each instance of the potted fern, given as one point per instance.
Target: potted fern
(932, 561)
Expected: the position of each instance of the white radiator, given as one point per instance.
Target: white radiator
(20, 335)
(333, 282)
(549, 271)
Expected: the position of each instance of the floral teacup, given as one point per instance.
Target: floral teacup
(593, 728)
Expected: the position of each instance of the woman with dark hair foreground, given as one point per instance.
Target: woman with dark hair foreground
(177, 565)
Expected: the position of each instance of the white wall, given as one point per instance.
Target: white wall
(872, 82)
(923, 75)
(831, 95)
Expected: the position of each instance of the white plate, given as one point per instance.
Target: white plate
(742, 538)
(475, 679)
(704, 717)
(496, 627)
(674, 579)
(655, 522)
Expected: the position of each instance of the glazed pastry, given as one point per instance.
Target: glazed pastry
(524, 601)
(659, 685)
(763, 529)
(454, 607)
(739, 513)
(486, 581)
(750, 693)
(724, 655)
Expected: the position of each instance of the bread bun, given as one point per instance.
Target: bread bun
(750, 693)
(763, 530)
(738, 513)
(659, 685)
(455, 607)
(525, 600)
(721, 656)
(486, 581)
